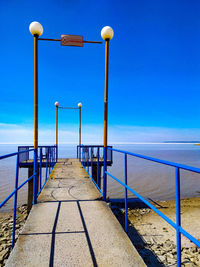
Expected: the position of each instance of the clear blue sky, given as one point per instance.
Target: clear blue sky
(154, 78)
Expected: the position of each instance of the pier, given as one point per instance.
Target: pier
(70, 222)
(71, 226)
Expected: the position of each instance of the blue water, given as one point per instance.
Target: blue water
(150, 179)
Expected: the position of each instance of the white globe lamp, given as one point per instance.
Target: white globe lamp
(56, 104)
(107, 33)
(36, 28)
(80, 105)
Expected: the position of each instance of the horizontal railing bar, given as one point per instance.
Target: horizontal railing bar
(14, 191)
(92, 146)
(169, 163)
(180, 229)
(15, 153)
(25, 182)
(45, 182)
(39, 146)
(93, 181)
(145, 201)
(190, 237)
(8, 197)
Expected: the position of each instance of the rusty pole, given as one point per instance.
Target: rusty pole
(79, 125)
(35, 91)
(106, 94)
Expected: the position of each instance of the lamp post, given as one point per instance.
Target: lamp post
(36, 30)
(107, 34)
(80, 106)
(57, 105)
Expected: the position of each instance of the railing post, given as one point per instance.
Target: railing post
(126, 200)
(88, 158)
(40, 168)
(104, 174)
(91, 163)
(47, 159)
(178, 216)
(50, 169)
(98, 167)
(15, 200)
(79, 153)
(35, 179)
(56, 153)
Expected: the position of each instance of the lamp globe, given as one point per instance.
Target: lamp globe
(36, 28)
(107, 33)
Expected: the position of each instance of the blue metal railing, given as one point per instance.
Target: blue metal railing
(177, 226)
(37, 174)
(84, 153)
(90, 156)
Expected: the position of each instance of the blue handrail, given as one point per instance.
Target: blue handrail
(51, 159)
(86, 158)
(177, 225)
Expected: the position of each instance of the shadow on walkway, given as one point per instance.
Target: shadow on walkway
(148, 256)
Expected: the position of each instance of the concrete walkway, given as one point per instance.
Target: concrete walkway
(71, 226)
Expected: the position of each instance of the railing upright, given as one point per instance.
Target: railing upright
(47, 159)
(91, 161)
(79, 152)
(104, 174)
(40, 168)
(98, 167)
(15, 200)
(125, 197)
(178, 216)
(88, 157)
(35, 179)
(51, 159)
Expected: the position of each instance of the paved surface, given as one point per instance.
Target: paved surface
(72, 226)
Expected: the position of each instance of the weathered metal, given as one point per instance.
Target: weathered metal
(35, 91)
(79, 125)
(71, 40)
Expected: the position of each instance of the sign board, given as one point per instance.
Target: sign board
(71, 40)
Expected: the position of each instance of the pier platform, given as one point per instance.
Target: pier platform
(71, 226)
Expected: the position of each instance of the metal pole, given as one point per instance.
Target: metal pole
(105, 119)
(15, 201)
(56, 126)
(56, 133)
(35, 118)
(106, 94)
(36, 91)
(79, 126)
(178, 216)
(126, 195)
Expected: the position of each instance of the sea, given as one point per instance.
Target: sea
(151, 180)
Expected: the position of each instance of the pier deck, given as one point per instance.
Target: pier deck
(72, 226)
